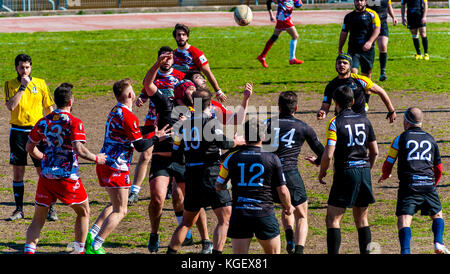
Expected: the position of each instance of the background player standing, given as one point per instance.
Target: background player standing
(284, 23)
(288, 138)
(363, 24)
(383, 7)
(349, 136)
(63, 139)
(416, 19)
(187, 57)
(419, 172)
(254, 175)
(26, 98)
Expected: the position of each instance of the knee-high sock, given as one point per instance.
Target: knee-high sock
(383, 61)
(292, 48)
(404, 236)
(417, 45)
(425, 44)
(333, 240)
(438, 230)
(267, 47)
(364, 238)
(18, 189)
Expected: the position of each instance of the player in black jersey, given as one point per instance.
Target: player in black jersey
(349, 136)
(383, 7)
(419, 171)
(256, 177)
(288, 135)
(361, 86)
(363, 24)
(200, 137)
(416, 20)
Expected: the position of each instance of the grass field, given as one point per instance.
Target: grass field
(92, 61)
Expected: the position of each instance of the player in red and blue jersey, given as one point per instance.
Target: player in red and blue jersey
(284, 23)
(63, 141)
(122, 136)
(187, 57)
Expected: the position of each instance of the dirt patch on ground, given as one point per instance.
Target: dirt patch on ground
(132, 234)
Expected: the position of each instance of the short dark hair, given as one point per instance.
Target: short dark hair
(190, 74)
(182, 27)
(343, 95)
(287, 101)
(120, 86)
(164, 49)
(253, 131)
(205, 95)
(22, 58)
(63, 94)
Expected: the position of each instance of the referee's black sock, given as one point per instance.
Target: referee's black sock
(18, 189)
(425, 44)
(364, 238)
(299, 249)
(417, 45)
(333, 240)
(383, 61)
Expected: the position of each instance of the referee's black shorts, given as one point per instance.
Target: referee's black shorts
(18, 138)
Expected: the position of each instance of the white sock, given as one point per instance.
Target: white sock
(78, 247)
(135, 189)
(98, 242)
(94, 230)
(293, 47)
(30, 248)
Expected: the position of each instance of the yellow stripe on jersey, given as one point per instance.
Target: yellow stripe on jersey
(331, 135)
(393, 150)
(375, 18)
(223, 173)
(365, 81)
(35, 98)
(176, 141)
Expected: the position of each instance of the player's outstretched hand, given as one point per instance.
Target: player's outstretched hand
(382, 178)
(100, 158)
(312, 160)
(391, 116)
(164, 133)
(221, 96)
(248, 90)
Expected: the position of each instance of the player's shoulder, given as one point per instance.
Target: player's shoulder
(195, 50)
(38, 81)
(365, 81)
(178, 73)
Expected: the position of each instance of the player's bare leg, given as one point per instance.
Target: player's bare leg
(240, 246)
(293, 46)
(220, 232)
(118, 210)
(271, 246)
(34, 229)
(189, 218)
(158, 191)
(81, 225)
(139, 175)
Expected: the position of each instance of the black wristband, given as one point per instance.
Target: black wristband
(390, 114)
(22, 87)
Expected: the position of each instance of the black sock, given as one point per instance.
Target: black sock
(425, 44)
(217, 252)
(333, 240)
(364, 238)
(383, 61)
(299, 249)
(171, 251)
(289, 235)
(18, 189)
(417, 45)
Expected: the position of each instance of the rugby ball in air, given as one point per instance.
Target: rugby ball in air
(243, 15)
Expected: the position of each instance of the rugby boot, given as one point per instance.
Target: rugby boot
(188, 241)
(16, 215)
(383, 77)
(153, 243)
(52, 214)
(90, 250)
(295, 61)
(133, 198)
(207, 247)
(418, 57)
(262, 60)
(440, 249)
(426, 56)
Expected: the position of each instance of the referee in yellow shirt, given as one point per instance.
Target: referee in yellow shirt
(26, 97)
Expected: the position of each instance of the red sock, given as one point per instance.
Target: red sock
(269, 44)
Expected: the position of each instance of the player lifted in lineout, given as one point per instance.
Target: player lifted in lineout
(284, 23)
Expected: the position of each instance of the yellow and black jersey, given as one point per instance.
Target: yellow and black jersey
(414, 6)
(35, 98)
(358, 83)
(360, 25)
(350, 133)
(380, 7)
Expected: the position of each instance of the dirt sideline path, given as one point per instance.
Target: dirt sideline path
(169, 19)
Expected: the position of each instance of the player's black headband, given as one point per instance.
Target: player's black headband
(344, 56)
(407, 114)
